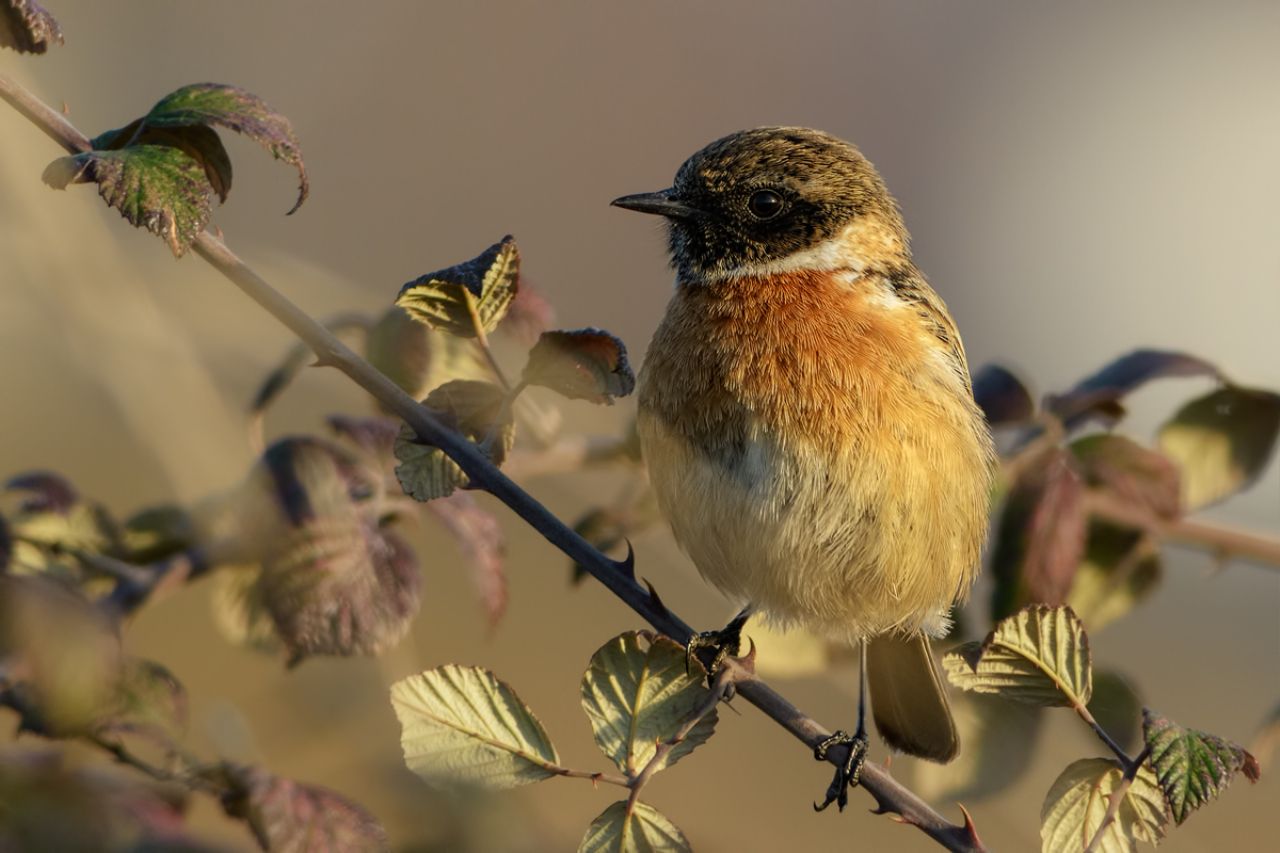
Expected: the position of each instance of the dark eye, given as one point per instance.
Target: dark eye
(765, 204)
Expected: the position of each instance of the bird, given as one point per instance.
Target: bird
(807, 418)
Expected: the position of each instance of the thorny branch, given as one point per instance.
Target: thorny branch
(619, 577)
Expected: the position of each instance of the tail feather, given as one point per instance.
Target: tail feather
(908, 699)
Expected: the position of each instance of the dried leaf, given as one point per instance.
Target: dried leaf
(26, 27)
(642, 830)
(215, 104)
(153, 186)
(462, 726)
(1002, 396)
(473, 408)
(1133, 473)
(1222, 442)
(1099, 393)
(1039, 656)
(290, 817)
(485, 285)
(481, 541)
(637, 693)
(1119, 570)
(586, 364)
(1077, 803)
(1193, 767)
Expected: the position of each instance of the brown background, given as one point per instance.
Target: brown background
(1079, 179)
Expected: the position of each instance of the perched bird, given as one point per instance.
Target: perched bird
(808, 422)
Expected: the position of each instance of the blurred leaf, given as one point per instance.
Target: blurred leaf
(444, 300)
(603, 529)
(239, 611)
(1000, 740)
(153, 186)
(6, 545)
(1040, 656)
(528, 316)
(462, 726)
(480, 539)
(1222, 442)
(43, 491)
(1077, 803)
(158, 532)
(637, 694)
(1132, 472)
(215, 104)
(1268, 738)
(1119, 570)
(199, 143)
(401, 349)
(1002, 396)
(1117, 707)
(586, 364)
(474, 409)
(26, 27)
(373, 436)
(1193, 767)
(298, 357)
(1099, 393)
(148, 697)
(642, 830)
(291, 817)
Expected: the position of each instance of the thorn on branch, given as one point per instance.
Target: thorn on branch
(627, 566)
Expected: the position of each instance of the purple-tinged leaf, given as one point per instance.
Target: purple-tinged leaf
(1120, 568)
(215, 104)
(1101, 393)
(198, 142)
(26, 27)
(479, 537)
(586, 364)
(529, 315)
(1192, 767)
(1055, 538)
(374, 436)
(476, 409)
(153, 186)
(44, 491)
(291, 817)
(1002, 396)
(1133, 473)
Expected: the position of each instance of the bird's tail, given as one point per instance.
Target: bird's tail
(908, 699)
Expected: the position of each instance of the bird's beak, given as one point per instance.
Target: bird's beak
(662, 203)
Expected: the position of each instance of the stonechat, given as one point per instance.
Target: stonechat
(807, 418)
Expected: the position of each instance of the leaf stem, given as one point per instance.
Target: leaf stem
(607, 778)
(1104, 737)
(482, 339)
(1117, 798)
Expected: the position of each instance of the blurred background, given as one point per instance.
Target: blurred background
(1079, 180)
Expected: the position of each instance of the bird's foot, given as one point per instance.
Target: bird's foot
(724, 642)
(847, 774)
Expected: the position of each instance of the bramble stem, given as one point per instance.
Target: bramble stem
(1117, 797)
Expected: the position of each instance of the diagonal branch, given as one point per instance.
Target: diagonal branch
(889, 794)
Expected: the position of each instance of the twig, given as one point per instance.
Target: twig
(1103, 736)
(890, 795)
(1117, 798)
(607, 778)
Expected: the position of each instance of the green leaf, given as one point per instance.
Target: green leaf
(26, 27)
(1222, 442)
(462, 726)
(485, 285)
(1192, 767)
(1121, 568)
(157, 532)
(153, 186)
(289, 816)
(215, 104)
(587, 364)
(1002, 396)
(1133, 473)
(642, 830)
(1040, 656)
(198, 142)
(1077, 803)
(637, 693)
(473, 408)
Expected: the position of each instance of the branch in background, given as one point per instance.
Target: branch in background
(889, 794)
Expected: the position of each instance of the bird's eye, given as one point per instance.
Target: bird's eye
(764, 204)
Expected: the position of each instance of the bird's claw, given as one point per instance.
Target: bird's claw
(847, 774)
(725, 642)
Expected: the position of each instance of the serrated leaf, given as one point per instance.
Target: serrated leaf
(637, 693)
(1120, 569)
(480, 539)
(1222, 442)
(157, 532)
(1002, 396)
(291, 817)
(1192, 767)
(485, 285)
(1077, 803)
(26, 27)
(1040, 655)
(642, 830)
(153, 186)
(1101, 392)
(216, 104)
(198, 142)
(1133, 473)
(462, 726)
(586, 364)
(473, 408)
(239, 611)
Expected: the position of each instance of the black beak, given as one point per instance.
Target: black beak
(662, 203)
